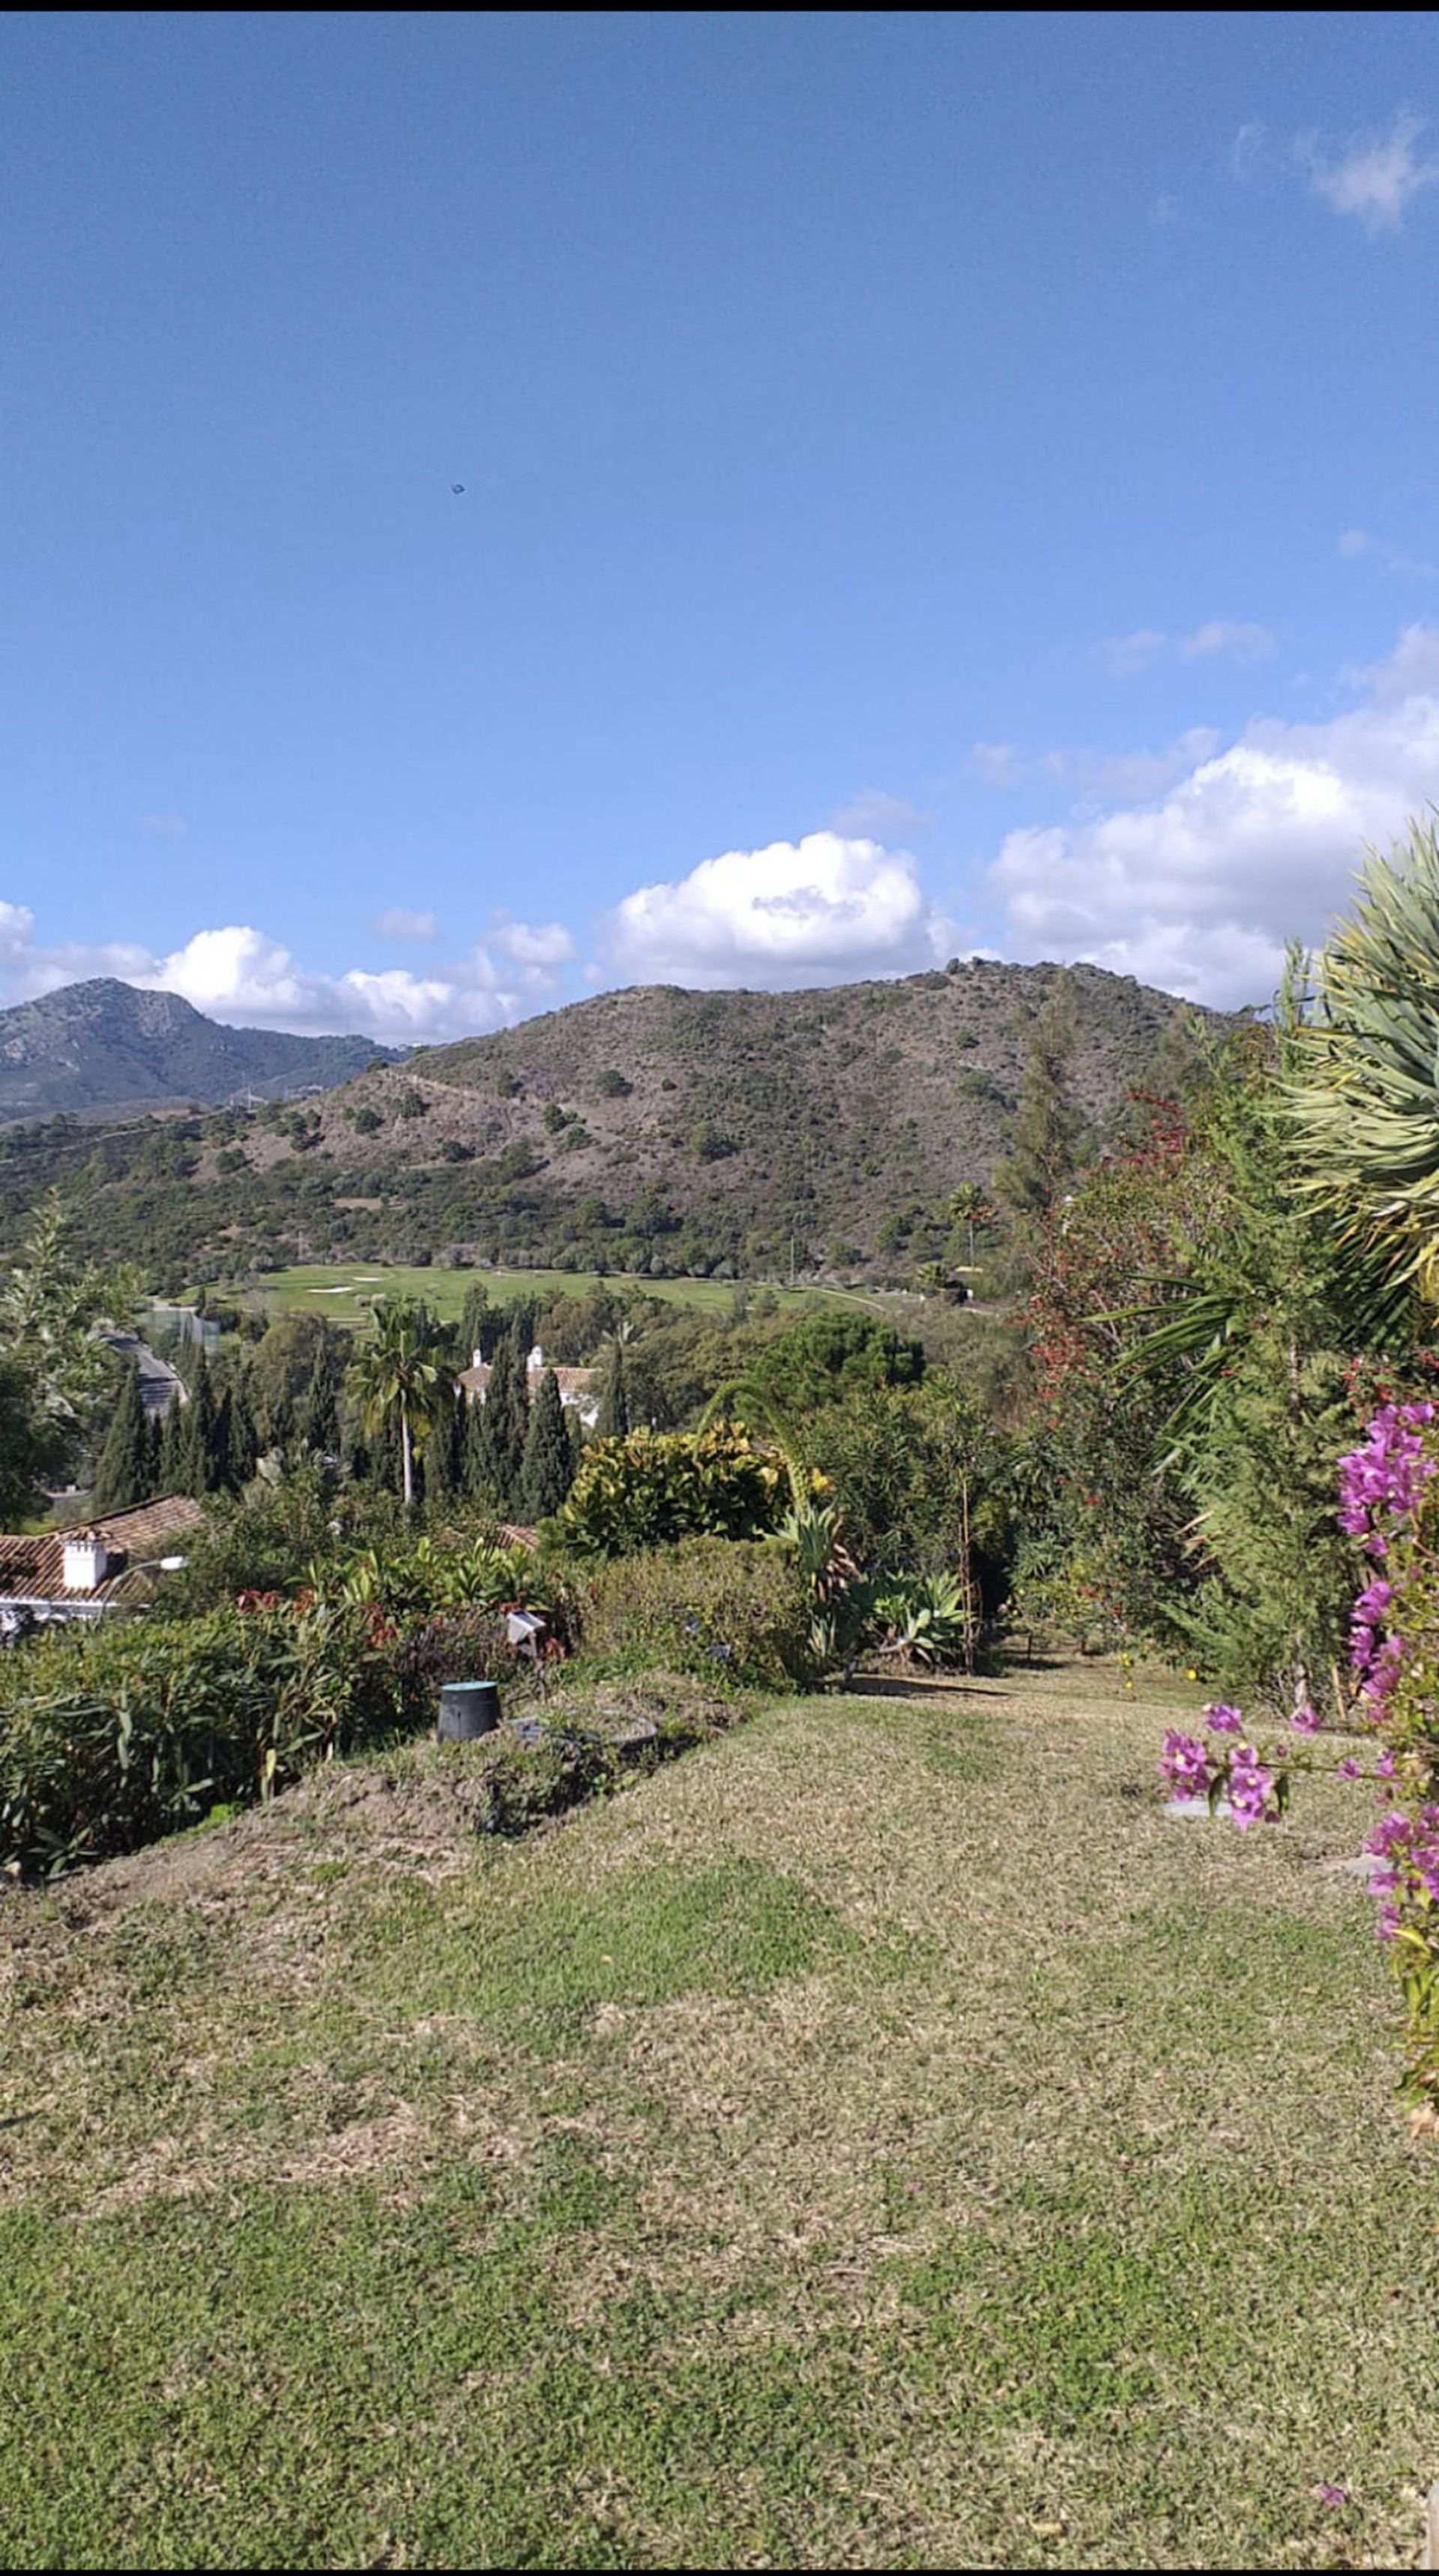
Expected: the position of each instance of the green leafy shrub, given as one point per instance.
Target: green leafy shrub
(112, 1736)
(648, 1488)
(730, 1610)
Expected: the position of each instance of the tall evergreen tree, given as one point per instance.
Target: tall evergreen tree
(204, 1463)
(122, 1475)
(174, 1446)
(548, 1468)
(477, 1319)
(503, 1425)
(244, 1438)
(613, 1421)
(444, 1461)
(317, 1421)
(473, 1452)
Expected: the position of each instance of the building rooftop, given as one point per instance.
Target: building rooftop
(33, 1569)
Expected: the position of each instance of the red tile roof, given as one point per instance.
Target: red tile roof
(33, 1569)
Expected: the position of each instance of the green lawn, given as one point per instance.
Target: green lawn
(882, 2139)
(346, 1293)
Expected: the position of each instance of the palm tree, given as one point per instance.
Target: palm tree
(402, 1374)
(1362, 1062)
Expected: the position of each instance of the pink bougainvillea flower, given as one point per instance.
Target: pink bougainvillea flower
(1333, 2495)
(1304, 1721)
(1222, 1719)
(1349, 1768)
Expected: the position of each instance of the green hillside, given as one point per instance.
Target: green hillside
(655, 1131)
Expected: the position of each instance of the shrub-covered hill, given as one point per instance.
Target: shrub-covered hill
(105, 1045)
(653, 1129)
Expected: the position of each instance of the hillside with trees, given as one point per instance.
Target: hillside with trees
(653, 1131)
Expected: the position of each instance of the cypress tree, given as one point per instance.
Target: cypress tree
(317, 1422)
(548, 1469)
(174, 1446)
(477, 1319)
(614, 1414)
(244, 1438)
(203, 1463)
(500, 1444)
(121, 1477)
(444, 1455)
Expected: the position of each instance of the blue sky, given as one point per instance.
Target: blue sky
(930, 482)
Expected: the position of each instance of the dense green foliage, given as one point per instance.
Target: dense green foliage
(111, 1736)
(656, 1487)
(731, 1611)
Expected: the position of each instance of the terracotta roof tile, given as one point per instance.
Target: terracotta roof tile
(33, 1569)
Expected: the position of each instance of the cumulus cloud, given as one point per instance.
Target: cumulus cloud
(817, 911)
(398, 923)
(1377, 177)
(241, 975)
(544, 945)
(1197, 889)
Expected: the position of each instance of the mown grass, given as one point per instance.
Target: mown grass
(346, 1292)
(882, 2139)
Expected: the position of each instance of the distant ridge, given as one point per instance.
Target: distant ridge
(105, 1045)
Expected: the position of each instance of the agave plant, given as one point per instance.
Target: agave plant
(1363, 1062)
(928, 1616)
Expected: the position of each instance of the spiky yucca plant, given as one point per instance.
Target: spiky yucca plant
(1362, 1063)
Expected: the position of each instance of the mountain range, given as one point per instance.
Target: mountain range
(104, 1046)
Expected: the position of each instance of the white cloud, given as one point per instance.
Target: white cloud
(1198, 888)
(1377, 178)
(166, 827)
(398, 923)
(1241, 641)
(543, 946)
(1246, 151)
(240, 975)
(1357, 541)
(822, 910)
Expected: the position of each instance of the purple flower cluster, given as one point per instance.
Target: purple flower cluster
(1385, 1478)
(1250, 1786)
(1223, 1720)
(1184, 1763)
(1408, 1846)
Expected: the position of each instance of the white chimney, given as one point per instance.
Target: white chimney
(86, 1562)
(535, 1362)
